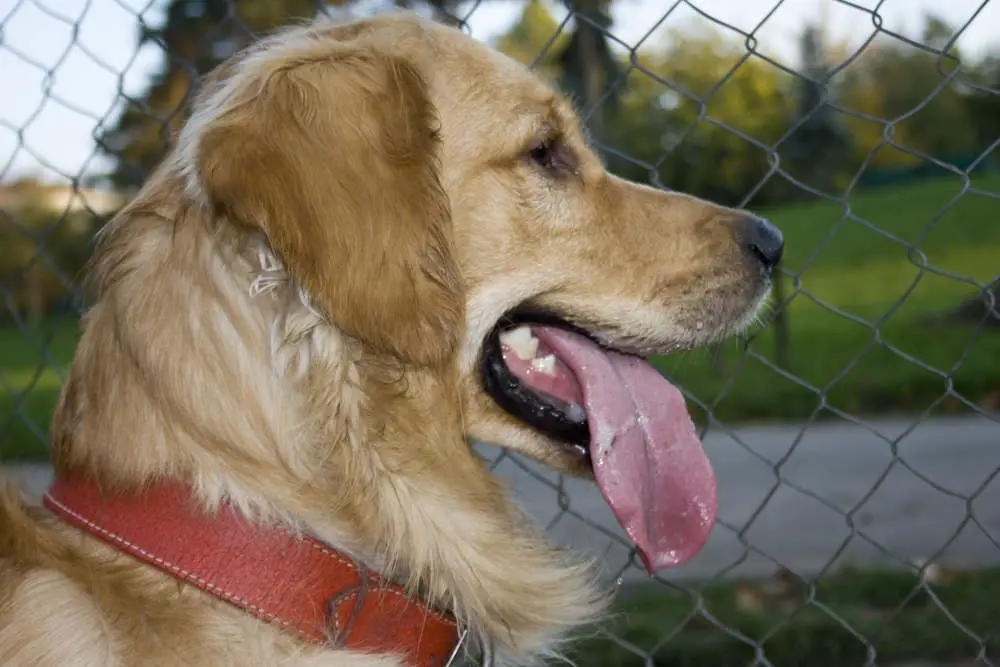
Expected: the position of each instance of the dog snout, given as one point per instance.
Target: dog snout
(761, 240)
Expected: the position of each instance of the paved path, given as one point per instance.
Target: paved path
(838, 463)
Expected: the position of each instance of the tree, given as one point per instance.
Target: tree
(689, 106)
(816, 150)
(590, 73)
(535, 39)
(196, 36)
(895, 82)
(983, 101)
(44, 249)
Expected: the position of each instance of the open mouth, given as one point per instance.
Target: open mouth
(522, 373)
(622, 416)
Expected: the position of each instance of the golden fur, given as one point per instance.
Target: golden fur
(288, 316)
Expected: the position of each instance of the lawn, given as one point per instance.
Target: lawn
(860, 339)
(852, 617)
(862, 317)
(32, 365)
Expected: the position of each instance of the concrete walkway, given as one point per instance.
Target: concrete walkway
(800, 521)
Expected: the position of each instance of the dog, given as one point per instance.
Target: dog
(371, 242)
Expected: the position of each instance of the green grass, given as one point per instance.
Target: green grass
(840, 362)
(857, 358)
(805, 625)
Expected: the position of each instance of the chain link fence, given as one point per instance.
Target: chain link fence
(859, 518)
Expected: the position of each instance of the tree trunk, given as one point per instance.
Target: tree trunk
(589, 55)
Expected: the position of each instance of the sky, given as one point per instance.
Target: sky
(64, 63)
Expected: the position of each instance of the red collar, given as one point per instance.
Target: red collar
(294, 582)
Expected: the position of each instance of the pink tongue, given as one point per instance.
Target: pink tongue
(648, 461)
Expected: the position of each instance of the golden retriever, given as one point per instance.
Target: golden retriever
(371, 242)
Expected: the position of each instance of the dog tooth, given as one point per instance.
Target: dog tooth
(546, 364)
(521, 333)
(521, 341)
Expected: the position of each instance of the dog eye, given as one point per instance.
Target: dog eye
(543, 155)
(551, 156)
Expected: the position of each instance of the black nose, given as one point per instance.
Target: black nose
(762, 241)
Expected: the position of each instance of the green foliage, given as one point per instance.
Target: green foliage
(698, 113)
(889, 82)
(715, 89)
(535, 39)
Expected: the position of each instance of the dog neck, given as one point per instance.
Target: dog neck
(231, 383)
(293, 581)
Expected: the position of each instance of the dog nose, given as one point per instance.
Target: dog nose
(762, 241)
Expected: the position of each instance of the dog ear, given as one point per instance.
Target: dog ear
(334, 158)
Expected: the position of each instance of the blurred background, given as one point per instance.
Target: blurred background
(855, 433)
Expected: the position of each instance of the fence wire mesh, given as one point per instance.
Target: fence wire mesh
(821, 485)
